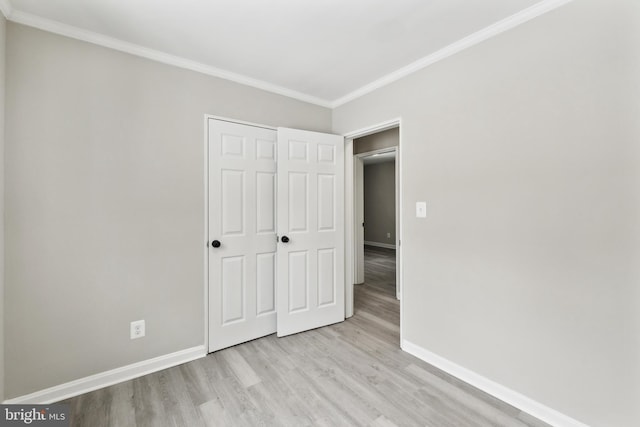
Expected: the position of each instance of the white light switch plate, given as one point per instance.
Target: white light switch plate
(421, 209)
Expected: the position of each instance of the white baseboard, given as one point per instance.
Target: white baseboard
(530, 406)
(107, 378)
(380, 245)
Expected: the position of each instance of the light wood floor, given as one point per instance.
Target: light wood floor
(349, 374)
(380, 269)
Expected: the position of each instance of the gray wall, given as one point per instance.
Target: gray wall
(104, 196)
(3, 33)
(380, 202)
(526, 149)
(385, 139)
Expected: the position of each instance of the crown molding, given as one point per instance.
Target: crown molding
(156, 55)
(499, 27)
(462, 44)
(6, 8)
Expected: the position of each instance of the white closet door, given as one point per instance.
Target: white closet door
(311, 229)
(242, 219)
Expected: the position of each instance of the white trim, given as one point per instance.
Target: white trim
(399, 220)
(349, 273)
(358, 219)
(107, 378)
(6, 8)
(379, 245)
(369, 130)
(462, 44)
(206, 231)
(513, 398)
(156, 55)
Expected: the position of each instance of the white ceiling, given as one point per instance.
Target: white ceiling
(323, 51)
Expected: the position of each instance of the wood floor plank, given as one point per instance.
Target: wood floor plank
(213, 413)
(245, 374)
(147, 402)
(382, 421)
(351, 373)
(122, 410)
(237, 405)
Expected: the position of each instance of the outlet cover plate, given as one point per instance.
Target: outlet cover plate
(137, 329)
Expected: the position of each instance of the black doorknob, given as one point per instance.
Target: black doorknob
(215, 243)
(285, 239)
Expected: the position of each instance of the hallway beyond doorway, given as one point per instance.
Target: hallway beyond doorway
(380, 269)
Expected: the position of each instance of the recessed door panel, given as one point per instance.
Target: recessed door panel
(326, 277)
(299, 196)
(298, 150)
(232, 146)
(232, 202)
(298, 281)
(233, 293)
(265, 202)
(266, 282)
(326, 202)
(265, 149)
(326, 153)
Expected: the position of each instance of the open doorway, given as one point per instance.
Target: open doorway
(359, 144)
(378, 213)
(376, 228)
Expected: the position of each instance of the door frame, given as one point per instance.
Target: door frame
(357, 189)
(350, 224)
(205, 245)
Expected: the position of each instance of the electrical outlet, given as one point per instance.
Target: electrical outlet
(137, 329)
(388, 235)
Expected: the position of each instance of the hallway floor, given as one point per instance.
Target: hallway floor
(380, 269)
